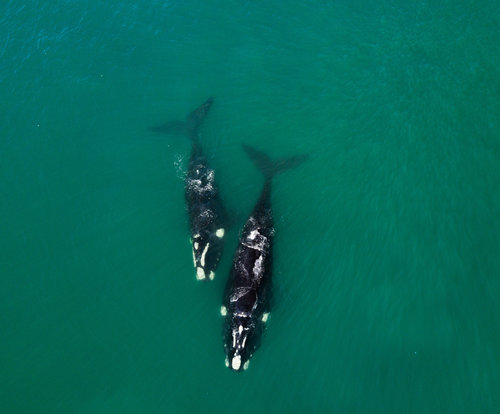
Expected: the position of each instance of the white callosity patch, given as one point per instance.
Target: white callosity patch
(236, 362)
(223, 310)
(202, 260)
(194, 259)
(211, 276)
(227, 362)
(202, 184)
(220, 233)
(255, 239)
(239, 293)
(253, 234)
(196, 245)
(257, 267)
(200, 273)
(246, 364)
(265, 317)
(240, 329)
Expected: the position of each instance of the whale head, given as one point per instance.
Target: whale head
(207, 251)
(239, 344)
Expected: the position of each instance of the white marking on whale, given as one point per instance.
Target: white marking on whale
(236, 362)
(200, 273)
(205, 250)
(257, 267)
(253, 234)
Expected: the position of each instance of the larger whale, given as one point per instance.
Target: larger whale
(247, 298)
(207, 215)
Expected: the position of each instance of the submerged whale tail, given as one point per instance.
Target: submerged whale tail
(190, 126)
(270, 167)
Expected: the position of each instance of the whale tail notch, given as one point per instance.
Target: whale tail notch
(270, 167)
(190, 126)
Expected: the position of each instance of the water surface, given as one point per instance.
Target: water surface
(387, 239)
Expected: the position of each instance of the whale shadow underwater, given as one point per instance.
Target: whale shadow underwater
(207, 215)
(247, 297)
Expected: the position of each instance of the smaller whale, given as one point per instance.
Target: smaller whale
(247, 297)
(207, 215)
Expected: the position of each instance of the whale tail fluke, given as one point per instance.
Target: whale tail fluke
(196, 117)
(270, 167)
(190, 126)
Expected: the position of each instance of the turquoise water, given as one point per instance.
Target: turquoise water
(387, 240)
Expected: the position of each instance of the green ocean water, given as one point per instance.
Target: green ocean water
(387, 253)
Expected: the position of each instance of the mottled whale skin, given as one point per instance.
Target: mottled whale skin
(207, 215)
(247, 298)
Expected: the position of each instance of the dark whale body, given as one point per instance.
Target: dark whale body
(247, 298)
(207, 215)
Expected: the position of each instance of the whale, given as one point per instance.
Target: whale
(246, 304)
(207, 215)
